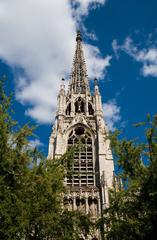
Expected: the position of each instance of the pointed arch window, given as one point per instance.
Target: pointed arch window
(79, 106)
(68, 109)
(83, 167)
(90, 109)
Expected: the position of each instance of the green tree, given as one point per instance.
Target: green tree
(31, 187)
(13, 169)
(132, 213)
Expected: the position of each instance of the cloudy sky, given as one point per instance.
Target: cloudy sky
(37, 45)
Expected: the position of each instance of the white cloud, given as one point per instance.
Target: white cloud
(38, 39)
(111, 114)
(82, 7)
(96, 63)
(148, 57)
(35, 143)
(150, 70)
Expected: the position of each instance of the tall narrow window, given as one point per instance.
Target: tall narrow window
(83, 168)
(79, 106)
(90, 109)
(68, 110)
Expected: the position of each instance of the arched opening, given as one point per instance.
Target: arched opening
(95, 201)
(68, 110)
(78, 202)
(83, 201)
(90, 201)
(79, 106)
(90, 109)
(65, 201)
(79, 131)
(82, 167)
(68, 203)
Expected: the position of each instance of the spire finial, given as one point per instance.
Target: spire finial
(79, 81)
(78, 37)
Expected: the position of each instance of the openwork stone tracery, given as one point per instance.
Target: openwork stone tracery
(79, 121)
(83, 166)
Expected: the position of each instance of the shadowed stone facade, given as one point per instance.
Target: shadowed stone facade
(80, 116)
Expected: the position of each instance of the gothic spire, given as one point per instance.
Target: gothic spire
(79, 81)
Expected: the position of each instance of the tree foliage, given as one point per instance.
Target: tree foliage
(132, 213)
(31, 187)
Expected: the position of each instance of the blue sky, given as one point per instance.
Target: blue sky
(37, 46)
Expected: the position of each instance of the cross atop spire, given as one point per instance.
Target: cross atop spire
(79, 81)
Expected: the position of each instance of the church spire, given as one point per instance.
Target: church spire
(79, 81)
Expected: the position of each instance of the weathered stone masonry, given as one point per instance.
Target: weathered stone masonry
(79, 114)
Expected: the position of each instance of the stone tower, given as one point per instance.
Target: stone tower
(80, 116)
